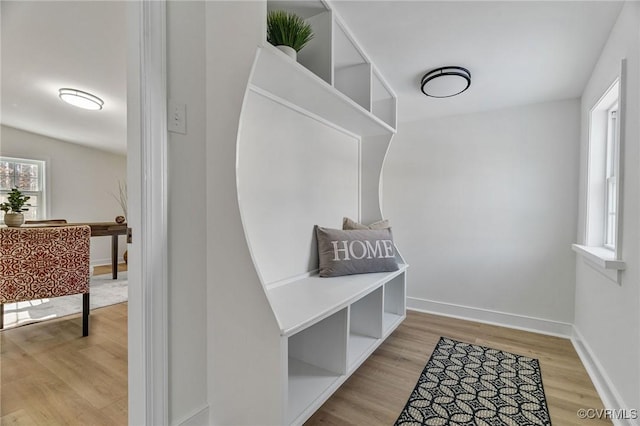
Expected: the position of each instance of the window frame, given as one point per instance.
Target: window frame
(611, 159)
(606, 259)
(42, 208)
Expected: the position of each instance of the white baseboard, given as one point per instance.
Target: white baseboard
(604, 386)
(486, 316)
(102, 262)
(199, 417)
(606, 389)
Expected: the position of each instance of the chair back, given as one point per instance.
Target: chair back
(38, 263)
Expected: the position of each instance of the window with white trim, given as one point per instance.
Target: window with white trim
(603, 197)
(601, 245)
(611, 176)
(29, 177)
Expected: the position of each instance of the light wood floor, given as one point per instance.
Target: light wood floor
(377, 392)
(50, 375)
(106, 269)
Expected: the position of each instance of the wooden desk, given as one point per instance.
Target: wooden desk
(104, 229)
(98, 229)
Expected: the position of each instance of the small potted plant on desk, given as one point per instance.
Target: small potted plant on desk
(14, 207)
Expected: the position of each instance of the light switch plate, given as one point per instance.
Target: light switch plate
(177, 118)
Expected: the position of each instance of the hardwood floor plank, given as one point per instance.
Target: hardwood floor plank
(50, 375)
(106, 269)
(17, 418)
(377, 392)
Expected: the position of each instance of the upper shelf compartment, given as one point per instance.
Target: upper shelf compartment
(383, 101)
(316, 55)
(335, 57)
(278, 75)
(352, 71)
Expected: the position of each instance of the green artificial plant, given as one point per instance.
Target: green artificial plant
(288, 29)
(16, 202)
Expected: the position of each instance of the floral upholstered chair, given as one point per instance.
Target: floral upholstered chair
(37, 263)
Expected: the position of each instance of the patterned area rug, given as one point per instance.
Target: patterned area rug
(105, 291)
(465, 384)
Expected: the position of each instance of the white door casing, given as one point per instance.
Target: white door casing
(147, 199)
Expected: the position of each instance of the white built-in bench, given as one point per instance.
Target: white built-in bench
(330, 326)
(312, 138)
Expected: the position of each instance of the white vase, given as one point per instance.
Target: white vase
(289, 51)
(13, 220)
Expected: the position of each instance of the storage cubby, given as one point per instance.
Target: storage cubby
(365, 327)
(394, 303)
(383, 102)
(352, 72)
(334, 56)
(316, 55)
(316, 361)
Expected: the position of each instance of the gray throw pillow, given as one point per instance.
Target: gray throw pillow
(358, 251)
(352, 224)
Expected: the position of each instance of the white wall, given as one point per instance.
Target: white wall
(483, 208)
(607, 314)
(241, 324)
(187, 216)
(80, 181)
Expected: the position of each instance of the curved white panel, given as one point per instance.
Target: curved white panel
(294, 171)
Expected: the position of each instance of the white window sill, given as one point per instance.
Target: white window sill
(600, 256)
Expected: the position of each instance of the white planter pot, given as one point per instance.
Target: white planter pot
(13, 220)
(289, 51)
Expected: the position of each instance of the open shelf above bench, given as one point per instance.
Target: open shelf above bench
(334, 57)
(279, 75)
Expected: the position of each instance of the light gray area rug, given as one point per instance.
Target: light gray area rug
(105, 291)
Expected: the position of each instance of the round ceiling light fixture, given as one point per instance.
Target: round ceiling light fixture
(81, 99)
(445, 82)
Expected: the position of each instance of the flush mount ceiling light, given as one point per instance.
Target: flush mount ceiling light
(81, 99)
(445, 82)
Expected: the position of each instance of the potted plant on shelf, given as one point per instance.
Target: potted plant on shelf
(14, 207)
(288, 32)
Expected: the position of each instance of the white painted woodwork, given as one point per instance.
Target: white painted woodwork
(303, 8)
(152, 235)
(296, 161)
(602, 257)
(372, 152)
(335, 57)
(296, 172)
(352, 71)
(366, 315)
(383, 100)
(316, 55)
(306, 382)
(355, 82)
(394, 303)
(308, 300)
(323, 344)
(275, 73)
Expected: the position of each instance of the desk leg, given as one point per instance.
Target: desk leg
(114, 256)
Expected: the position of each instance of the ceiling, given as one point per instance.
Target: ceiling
(518, 53)
(51, 45)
